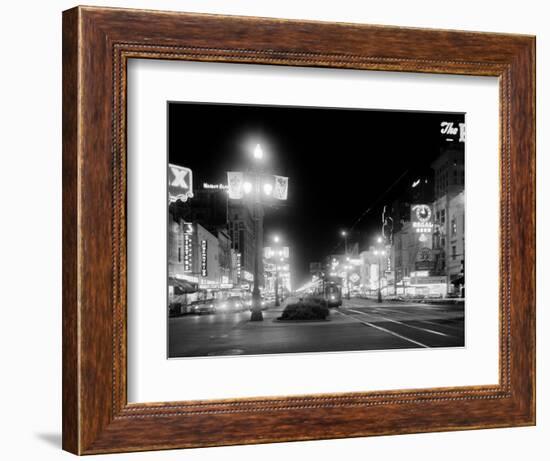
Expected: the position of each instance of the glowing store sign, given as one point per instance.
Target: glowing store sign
(186, 252)
(206, 185)
(187, 246)
(421, 218)
(453, 132)
(204, 254)
(238, 265)
(180, 183)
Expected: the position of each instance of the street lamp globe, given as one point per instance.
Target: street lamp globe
(258, 152)
(268, 188)
(344, 233)
(379, 239)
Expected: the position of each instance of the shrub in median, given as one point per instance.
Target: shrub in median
(306, 309)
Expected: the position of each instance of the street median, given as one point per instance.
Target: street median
(308, 309)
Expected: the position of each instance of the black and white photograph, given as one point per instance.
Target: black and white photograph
(313, 229)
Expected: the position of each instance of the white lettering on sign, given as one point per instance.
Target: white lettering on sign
(187, 248)
(207, 185)
(448, 128)
(204, 258)
(451, 131)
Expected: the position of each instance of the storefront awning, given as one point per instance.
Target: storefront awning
(183, 285)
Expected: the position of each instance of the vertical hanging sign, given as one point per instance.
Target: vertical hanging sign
(204, 258)
(187, 249)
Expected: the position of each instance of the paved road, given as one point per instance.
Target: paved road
(358, 325)
(417, 324)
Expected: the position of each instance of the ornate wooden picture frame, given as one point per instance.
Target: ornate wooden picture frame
(97, 44)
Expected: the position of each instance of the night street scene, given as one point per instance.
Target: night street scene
(306, 229)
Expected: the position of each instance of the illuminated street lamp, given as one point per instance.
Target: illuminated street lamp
(345, 235)
(258, 152)
(255, 189)
(268, 188)
(256, 184)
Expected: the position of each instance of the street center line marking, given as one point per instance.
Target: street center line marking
(404, 324)
(364, 322)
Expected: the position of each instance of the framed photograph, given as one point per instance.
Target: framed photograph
(280, 230)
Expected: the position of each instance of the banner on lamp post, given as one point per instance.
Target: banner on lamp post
(235, 181)
(280, 190)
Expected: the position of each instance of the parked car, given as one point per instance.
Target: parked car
(263, 304)
(203, 307)
(231, 304)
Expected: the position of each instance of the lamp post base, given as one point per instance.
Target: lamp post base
(256, 316)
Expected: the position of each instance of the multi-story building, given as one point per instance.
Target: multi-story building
(225, 258)
(244, 241)
(374, 271)
(408, 252)
(180, 250)
(448, 209)
(193, 256)
(232, 221)
(449, 170)
(273, 269)
(206, 262)
(428, 248)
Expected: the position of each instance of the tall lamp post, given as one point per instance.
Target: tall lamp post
(254, 187)
(256, 184)
(380, 252)
(279, 256)
(347, 266)
(345, 235)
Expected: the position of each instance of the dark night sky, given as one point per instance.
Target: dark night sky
(340, 162)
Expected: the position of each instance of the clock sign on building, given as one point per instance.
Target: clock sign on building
(422, 221)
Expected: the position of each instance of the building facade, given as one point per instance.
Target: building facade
(244, 242)
(449, 212)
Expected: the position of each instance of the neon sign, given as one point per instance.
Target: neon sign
(206, 185)
(421, 219)
(180, 183)
(187, 249)
(452, 132)
(204, 258)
